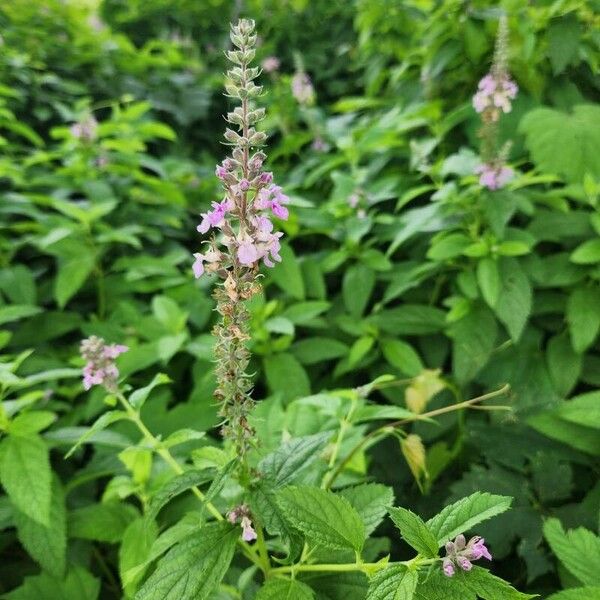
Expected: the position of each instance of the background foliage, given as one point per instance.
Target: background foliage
(427, 271)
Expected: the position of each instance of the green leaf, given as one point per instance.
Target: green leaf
(583, 317)
(563, 41)
(104, 522)
(357, 286)
(286, 375)
(586, 593)
(488, 277)
(47, 545)
(395, 582)
(77, 585)
(577, 436)
(582, 410)
(103, 421)
(322, 516)
(28, 423)
(474, 339)
(284, 589)
(577, 549)
(402, 356)
(292, 458)
(447, 247)
(135, 549)
(175, 486)
(16, 312)
(490, 587)
(139, 397)
(437, 586)
(415, 532)
(409, 319)
(193, 568)
(26, 476)
(288, 275)
(564, 364)
(513, 304)
(370, 500)
(587, 253)
(463, 515)
(72, 274)
(576, 134)
(314, 350)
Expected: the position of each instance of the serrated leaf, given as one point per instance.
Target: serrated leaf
(488, 278)
(463, 515)
(175, 486)
(474, 338)
(583, 317)
(576, 134)
(357, 286)
(101, 423)
(513, 304)
(402, 356)
(577, 549)
(323, 517)
(563, 41)
(26, 476)
(370, 500)
(72, 274)
(291, 458)
(47, 545)
(193, 568)
(139, 397)
(135, 548)
(395, 582)
(586, 593)
(564, 364)
(77, 585)
(415, 532)
(284, 589)
(490, 587)
(286, 376)
(104, 522)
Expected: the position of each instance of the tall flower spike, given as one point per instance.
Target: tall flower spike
(100, 367)
(494, 96)
(243, 235)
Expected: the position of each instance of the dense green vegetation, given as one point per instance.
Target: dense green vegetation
(400, 273)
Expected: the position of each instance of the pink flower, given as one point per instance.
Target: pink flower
(448, 567)
(460, 553)
(494, 177)
(215, 217)
(248, 533)
(244, 185)
(270, 64)
(100, 368)
(221, 172)
(211, 256)
(247, 252)
(266, 177)
(495, 91)
(86, 129)
(272, 198)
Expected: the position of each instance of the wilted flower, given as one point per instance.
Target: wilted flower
(461, 553)
(270, 64)
(302, 88)
(100, 368)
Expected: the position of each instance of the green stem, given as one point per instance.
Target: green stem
(388, 429)
(262, 550)
(164, 453)
(349, 567)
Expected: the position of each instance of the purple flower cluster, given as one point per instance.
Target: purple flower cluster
(100, 368)
(253, 194)
(241, 514)
(270, 64)
(494, 176)
(494, 94)
(461, 553)
(85, 130)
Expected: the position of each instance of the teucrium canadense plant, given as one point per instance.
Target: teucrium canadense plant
(278, 513)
